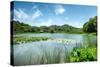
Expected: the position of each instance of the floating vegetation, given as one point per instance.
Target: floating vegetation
(47, 49)
(19, 40)
(65, 41)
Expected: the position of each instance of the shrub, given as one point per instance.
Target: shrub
(83, 54)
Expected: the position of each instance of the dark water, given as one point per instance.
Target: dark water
(49, 52)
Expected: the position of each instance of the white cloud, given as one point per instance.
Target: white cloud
(49, 22)
(22, 16)
(34, 7)
(37, 14)
(59, 9)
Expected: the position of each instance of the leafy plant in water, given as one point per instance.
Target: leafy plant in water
(83, 54)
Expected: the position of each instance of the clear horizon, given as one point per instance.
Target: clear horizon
(46, 14)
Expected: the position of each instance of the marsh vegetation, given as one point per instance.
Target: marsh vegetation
(58, 49)
(19, 40)
(54, 44)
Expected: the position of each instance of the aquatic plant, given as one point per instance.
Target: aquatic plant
(64, 41)
(18, 40)
(83, 54)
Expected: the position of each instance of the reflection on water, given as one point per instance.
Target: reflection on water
(46, 52)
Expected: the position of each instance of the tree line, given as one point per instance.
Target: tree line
(20, 27)
(89, 27)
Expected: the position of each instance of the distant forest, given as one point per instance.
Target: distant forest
(89, 27)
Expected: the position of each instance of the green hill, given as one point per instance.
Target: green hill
(19, 27)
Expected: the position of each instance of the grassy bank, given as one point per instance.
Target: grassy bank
(89, 33)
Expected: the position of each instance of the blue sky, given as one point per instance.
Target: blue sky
(46, 14)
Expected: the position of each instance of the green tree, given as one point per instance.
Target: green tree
(91, 25)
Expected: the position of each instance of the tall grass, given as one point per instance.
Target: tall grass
(43, 54)
(51, 52)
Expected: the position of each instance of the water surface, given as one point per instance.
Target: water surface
(47, 52)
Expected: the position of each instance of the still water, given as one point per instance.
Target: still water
(49, 52)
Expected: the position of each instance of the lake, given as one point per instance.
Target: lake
(49, 51)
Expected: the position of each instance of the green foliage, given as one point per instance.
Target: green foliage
(83, 54)
(19, 27)
(21, 39)
(91, 25)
